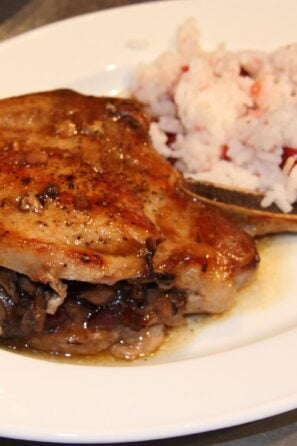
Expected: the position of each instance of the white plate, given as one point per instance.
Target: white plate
(222, 371)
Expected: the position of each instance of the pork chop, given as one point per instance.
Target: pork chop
(86, 199)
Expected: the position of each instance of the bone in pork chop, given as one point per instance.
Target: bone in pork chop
(99, 246)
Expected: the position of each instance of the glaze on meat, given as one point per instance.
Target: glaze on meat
(93, 220)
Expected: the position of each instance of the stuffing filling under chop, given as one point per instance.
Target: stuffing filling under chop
(100, 248)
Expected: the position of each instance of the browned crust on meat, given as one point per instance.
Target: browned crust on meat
(87, 198)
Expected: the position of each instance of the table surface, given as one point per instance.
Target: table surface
(17, 16)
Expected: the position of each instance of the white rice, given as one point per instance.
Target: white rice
(229, 114)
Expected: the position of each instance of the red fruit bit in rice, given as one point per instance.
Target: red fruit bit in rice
(171, 138)
(288, 152)
(244, 73)
(256, 89)
(224, 155)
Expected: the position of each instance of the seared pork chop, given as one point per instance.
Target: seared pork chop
(86, 199)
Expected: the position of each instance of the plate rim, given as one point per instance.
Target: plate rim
(286, 403)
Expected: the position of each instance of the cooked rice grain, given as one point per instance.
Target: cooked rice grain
(224, 116)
